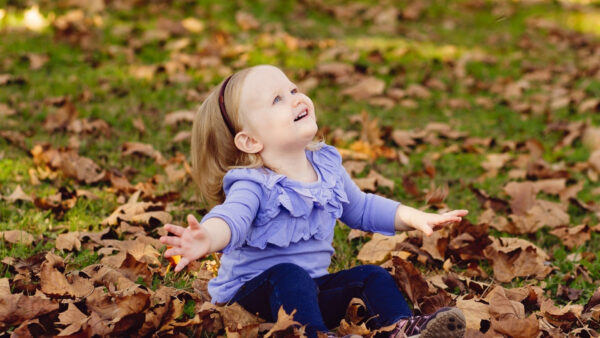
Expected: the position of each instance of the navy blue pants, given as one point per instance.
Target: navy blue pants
(321, 302)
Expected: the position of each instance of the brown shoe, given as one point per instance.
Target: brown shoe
(447, 322)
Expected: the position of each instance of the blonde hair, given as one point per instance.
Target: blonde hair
(212, 147)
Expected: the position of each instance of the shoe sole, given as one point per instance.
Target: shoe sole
(447, 324)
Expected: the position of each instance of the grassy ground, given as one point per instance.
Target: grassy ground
(412, 52)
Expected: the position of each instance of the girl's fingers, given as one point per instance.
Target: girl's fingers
(458, 213)
(182, 263)
(175, 229)
(170, 240)
(174, 252)
(193, 222)
(426, 228)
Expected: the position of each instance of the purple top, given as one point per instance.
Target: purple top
(274, 219)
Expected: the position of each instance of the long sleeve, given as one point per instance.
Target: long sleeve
(238, 211)
(367, 212)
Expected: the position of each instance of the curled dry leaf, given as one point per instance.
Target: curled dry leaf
(563, 317)
(335, 69)
(436, 195)
(17, 237)
(61, 118)
(68, 241)
(284, 323)
(468, 241)
(542, 213)
(475, 311)
(373, 180)
(240, 322)
(573, 237)
(182, 136)
(378, 249)
(495, 162)
(139, 212)
(496, 221)
(354, 167)
(73, 319)
(508, 316)
(129, 266)
(81, 168)
(15, 309)
(411, 281)
(365, 88)
(55, 284)
(7, 79)
(176, 117)
(37, 61)
(436, 244)
(515, 257)
(567, 293)
(14, 137)
(130, 148)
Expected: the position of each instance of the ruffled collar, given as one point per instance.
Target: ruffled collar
(312, 207)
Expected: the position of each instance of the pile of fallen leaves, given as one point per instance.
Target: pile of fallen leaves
(488, 306)
(124, 292)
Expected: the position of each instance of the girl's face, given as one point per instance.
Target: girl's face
(274, 112)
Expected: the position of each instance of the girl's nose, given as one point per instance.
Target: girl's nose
(296, 101)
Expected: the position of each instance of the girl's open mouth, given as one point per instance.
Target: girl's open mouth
(303, 114)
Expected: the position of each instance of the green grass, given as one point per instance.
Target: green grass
(417, 51)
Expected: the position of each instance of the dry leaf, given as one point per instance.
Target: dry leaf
(573, 237)
(61, 118)
(73, 319)
(68, 241)
(176, 117)
(410, 280)
(17, 237)
(15, 309)
(37, 61)
(6, 110)
(365, 88)
(378, 249)
(246, 21)
(130, 148)
(495, 161)
(284, 322)
(515, 257)
(193, 25)
(475, 311)
(563, 317)
(18, 195)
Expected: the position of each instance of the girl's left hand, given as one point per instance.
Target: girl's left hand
(426, 222)
(447, 218)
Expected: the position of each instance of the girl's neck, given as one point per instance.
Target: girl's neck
(294, 165)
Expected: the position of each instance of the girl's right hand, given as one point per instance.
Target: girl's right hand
(190, 243)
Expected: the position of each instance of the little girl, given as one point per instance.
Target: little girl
(280, 195)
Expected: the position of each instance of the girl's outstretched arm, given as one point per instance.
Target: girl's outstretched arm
(197, 240)
(408, 218)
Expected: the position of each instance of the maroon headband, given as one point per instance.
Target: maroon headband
(222, 107)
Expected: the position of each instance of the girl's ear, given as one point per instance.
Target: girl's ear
(247, 143)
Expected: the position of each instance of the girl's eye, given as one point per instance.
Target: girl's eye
(277, 99)
(294, 91)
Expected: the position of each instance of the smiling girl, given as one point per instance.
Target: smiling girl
(278, 197)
